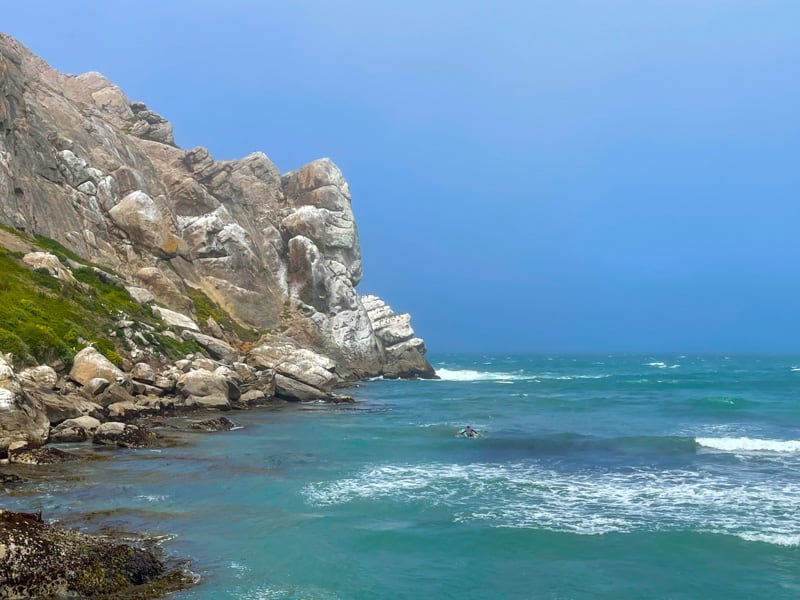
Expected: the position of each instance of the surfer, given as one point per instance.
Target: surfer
(468, 432)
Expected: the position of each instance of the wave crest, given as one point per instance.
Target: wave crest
(745, 444)
(503, 377)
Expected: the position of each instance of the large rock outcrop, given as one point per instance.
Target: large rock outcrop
(404, 353)
(82, 164)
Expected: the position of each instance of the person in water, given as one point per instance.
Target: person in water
(469, 432)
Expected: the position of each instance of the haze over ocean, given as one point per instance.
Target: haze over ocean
(547, 176)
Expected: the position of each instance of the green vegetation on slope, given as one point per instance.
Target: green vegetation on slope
(43, 319)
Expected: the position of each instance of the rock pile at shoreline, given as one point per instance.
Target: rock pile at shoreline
(98, 402)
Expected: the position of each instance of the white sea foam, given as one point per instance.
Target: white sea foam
(795, 368)
(268, 592)
(152, 498)
(587, 503)
(471, 375)
(661, 365)
(505, 377)
(239, 568)
(745, 444)
(772, 538)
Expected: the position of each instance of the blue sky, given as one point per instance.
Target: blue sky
(565, 175)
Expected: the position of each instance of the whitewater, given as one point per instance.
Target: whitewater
(597, 476)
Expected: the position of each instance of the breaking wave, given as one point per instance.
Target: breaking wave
(587, 503)
(472, 375)
(745, 444)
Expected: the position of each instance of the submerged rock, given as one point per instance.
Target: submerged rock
(20, 453)
(11, 479)
(218, 424)
(124, 435)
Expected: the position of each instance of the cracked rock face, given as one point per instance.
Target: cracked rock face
(21, 420)
(81, 163)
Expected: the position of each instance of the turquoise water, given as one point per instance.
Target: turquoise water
(593, 477)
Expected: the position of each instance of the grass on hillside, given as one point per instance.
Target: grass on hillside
(43, 319)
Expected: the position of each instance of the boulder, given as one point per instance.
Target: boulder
(59, 408)
(127, 411)
(49, 262)
(145, 389)
(74, 430)
(41, 376)
(251, 398)
(204, 364)
(139, 216)
(201, 388)
(123, 435)
(140, 295)
(150, 125)
(216, 348)
(89, 364)
(175, 319)
(96, 386)
(406, 361)
(143, 372)
(166, 381)
(393, 329)
(300, 364)
(115, 393)
(292, 389)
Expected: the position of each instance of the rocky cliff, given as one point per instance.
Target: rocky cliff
(276, 255)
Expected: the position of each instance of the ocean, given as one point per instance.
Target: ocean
(593, 476)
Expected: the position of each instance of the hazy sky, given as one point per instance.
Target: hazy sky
(594, 175)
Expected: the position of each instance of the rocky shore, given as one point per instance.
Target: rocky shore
(97, 403)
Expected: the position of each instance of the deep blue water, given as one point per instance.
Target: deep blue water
(593, 477)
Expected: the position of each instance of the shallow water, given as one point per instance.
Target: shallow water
(594, 476)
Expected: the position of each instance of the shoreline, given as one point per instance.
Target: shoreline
(140, 425)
